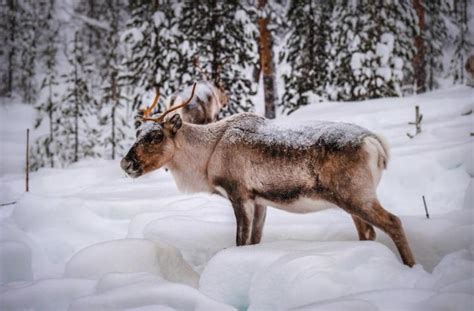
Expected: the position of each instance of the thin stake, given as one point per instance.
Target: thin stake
(426, 208)
(27, 168)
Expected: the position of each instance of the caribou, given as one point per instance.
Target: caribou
(204, 107)
(255, 163)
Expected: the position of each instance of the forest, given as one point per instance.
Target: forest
(86, 66)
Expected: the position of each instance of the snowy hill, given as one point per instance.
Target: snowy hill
(89, 238)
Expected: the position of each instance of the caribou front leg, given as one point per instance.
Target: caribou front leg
(260, 214)
(244, 214)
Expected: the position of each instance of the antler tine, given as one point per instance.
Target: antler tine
(161, 118)
(149, 110)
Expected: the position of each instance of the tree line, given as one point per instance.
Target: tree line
(87, 67)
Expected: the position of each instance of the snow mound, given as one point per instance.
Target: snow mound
(48, 294)
(15, 262)
(396, 299)
(284, 275)
(151, 295)
(131, 256)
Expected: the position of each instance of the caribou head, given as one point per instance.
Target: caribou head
(154, 145)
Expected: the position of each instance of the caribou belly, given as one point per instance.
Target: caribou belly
(300, 205)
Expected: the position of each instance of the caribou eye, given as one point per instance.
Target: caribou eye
(138, 134)
(153, 138)
(148, 139)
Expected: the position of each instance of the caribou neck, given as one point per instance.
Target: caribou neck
(194, 147)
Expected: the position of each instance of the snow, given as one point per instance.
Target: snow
(15, 264)
(88, 238)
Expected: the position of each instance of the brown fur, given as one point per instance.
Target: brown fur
(241, 159)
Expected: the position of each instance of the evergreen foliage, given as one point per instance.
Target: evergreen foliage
(463, 41)
(88, 65)
(223, 34)
(79, 134)
(49, 99)
(436, 35)
(306, 53)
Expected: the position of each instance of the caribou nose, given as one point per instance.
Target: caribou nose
(125, 164)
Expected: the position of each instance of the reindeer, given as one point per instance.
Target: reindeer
(204, 108)
(255, 163)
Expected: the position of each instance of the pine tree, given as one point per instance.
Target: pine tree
(8, 24)
(224, 37)
(463, 42)
(29, 22)
(153, 58)
(79, 134)
(112, 99)
(436, 35)
(306, 53)
(373, 49)
(20, 47)
(49, 103)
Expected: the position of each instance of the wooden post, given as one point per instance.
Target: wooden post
(27, 168)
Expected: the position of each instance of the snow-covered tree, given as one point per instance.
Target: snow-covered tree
(49, 98)
(373, 49)
(436, 34)
(20, 33)
(463, 42)
(306, 52)
(153, 55)
(78, 130)
(113, 113)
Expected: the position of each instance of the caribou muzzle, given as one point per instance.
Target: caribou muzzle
(131, 166)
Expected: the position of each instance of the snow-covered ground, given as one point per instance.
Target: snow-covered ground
(89, 238)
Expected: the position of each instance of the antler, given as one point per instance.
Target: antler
(149, 110)
(163, 115)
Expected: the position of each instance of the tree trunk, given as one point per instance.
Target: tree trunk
(114, 105)
(267, 65)
(463, 24)
(76, 108)
(50, 115)
(419, 59)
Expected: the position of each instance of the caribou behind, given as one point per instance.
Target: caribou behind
(256, 163)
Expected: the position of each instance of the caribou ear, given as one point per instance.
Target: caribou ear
(174, 123)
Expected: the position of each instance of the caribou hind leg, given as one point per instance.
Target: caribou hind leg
(373, 213)
(365, 230)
